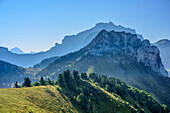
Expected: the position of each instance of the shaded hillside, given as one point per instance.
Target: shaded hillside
(10, 73)
(44, 63)
(120, 55)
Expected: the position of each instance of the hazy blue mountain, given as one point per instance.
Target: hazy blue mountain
(25, 60)
(16, 50)
(164, 47)
(69, 44)
(75, 42)
(121, 55)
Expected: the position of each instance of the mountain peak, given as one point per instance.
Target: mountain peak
(102, 24)
(127, 44)
(162, 42)
(16, 50)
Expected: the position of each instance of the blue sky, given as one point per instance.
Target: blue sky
(35, 25)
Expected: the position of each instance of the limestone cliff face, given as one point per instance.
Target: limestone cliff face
(126, 44)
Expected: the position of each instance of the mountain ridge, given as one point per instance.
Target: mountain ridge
(79, 41)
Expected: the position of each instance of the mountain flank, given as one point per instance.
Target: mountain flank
(121, 55)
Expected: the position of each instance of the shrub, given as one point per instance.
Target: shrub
(36, 84)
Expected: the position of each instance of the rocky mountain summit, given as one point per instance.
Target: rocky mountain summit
(83, 38)
(126, 44)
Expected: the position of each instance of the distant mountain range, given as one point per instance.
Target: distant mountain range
(121, 55)
(19, 51)
(69, 44)
(164, 47)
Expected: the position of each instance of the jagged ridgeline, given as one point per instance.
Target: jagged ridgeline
(79, 93)
(121, 55)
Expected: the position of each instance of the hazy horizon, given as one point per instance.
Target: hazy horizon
(37, 25)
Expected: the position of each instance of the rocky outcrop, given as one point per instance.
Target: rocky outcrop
(126, 44)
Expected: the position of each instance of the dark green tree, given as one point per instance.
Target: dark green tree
(52, 82)
(84, 76)
(60, 81)
(49, 81)
(42, 81)
(16, 85)
(27, 82)
(66, 76)
(76, 75)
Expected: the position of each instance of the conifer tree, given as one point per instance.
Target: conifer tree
(49, 81)
(42, 81)
(16, 85)
(76, 75)
(27, 82)
(66, 76)
(60, 80)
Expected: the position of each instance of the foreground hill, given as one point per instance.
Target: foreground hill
(48, 99)
(80, 93)
(123, 56)
(35, 99)
(79, 41)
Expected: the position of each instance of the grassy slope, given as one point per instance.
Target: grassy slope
(36, 99)
(47, 99)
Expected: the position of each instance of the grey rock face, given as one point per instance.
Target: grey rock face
(126, 44)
